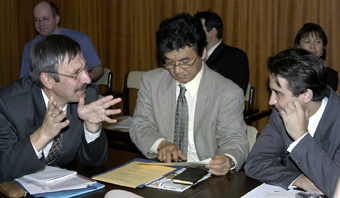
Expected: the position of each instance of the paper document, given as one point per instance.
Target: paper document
(124, 124)
(166, 182)
(187, 164)
(270, 191)
(50, 175)
(133, 174)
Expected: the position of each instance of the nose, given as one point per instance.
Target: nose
(178, 69)
(41, 23)
(272, 99)
(85, 77)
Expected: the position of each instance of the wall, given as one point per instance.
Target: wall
(123, 31)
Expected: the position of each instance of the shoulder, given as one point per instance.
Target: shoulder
(219, 81)
(76, 35)
(233, 50)
(18, 88)
(156, 74)
(31, 42)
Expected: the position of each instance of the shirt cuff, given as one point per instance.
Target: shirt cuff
(155, 145)
(293, 144)
(291, 187)
(92, 136)
(234, 160)
(38, 153)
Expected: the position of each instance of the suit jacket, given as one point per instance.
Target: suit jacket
(332, 78)
(219, 127)
(317, 157)
(231, 63)
(22, 111)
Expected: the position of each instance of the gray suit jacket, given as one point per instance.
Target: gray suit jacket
(219, 127)
(317, 157)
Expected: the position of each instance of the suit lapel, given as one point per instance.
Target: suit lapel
(203, 99)
(168, 105)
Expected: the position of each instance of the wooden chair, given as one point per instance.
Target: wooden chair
(119, 138)
(106, 80)
(252, 114)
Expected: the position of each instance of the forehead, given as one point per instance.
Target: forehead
(278, 83)
(180, 53)
(77, 62)
(42, 9)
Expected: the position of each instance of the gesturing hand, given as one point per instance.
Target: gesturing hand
(295, 119)
(97, 111)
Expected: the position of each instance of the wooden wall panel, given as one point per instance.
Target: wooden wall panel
(123, 31)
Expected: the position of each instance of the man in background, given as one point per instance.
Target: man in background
(207, 122)
(52, 116)
(300, 145)
(228, 61)
(46, 22)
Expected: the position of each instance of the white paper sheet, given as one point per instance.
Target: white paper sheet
(270, 191)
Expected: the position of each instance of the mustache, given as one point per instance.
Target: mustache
(83, 86)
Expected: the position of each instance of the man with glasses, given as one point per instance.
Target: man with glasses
(207, 121)
(46, 22)
(52, 116)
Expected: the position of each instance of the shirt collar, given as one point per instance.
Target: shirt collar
(212, 50)
(315, 119)
(192, 86)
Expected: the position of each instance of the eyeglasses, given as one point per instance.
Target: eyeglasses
(75, 76)
(44, 20)
(183, 65)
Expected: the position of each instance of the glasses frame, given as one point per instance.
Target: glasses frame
(183, 65)
(75, 76)
(45, 21)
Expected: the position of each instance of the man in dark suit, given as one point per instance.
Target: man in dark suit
(213, 128)
(300, 145)
(228, 61)
(52, 116)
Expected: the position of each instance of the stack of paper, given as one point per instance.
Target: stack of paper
(56, 180)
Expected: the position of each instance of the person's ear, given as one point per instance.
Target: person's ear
(308, 96)
(204, 54)
(57, 19)
(213, 32)
(46, 80)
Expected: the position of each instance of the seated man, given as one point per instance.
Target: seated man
(52, 116)
(213, 125)
(299, 147)
(46, 22)
(228, 61)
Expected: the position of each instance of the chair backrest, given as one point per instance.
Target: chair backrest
(132, 81)
(251, 135)
(249, 99)
(106, 79)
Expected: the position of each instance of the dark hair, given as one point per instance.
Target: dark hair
(302, 69)
(54, 8)
(212, 20)
(48, 54)
(180, 31)
(312, 29)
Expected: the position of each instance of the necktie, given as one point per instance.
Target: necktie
(55, 149)
(181, 122)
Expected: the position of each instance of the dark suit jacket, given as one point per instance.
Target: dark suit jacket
(332, 78)
(219, 127)
(317, 157)
(231, 63)
(22, 111)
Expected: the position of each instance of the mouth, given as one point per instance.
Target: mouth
(82, 88)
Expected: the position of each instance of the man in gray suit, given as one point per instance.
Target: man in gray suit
(215, 129)
(300, 145)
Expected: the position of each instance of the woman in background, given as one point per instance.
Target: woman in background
(312, 38)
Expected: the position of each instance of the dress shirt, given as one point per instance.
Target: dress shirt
(191, 97)
(312, 125)
(89, 136)
(211, 50)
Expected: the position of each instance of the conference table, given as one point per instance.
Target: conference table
(233, 185)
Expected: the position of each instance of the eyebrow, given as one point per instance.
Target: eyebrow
(185, 58)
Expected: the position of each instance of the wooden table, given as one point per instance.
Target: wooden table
(233, 185)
